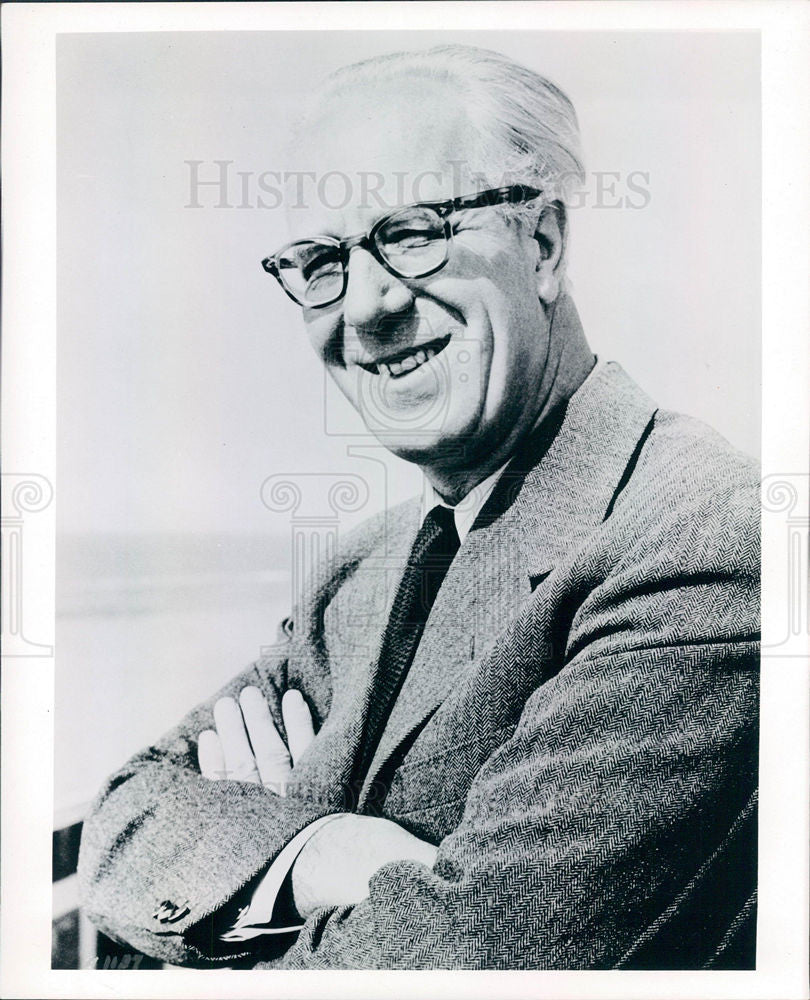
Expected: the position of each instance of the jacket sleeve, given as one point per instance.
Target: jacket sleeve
(624, 799)
(164, 849)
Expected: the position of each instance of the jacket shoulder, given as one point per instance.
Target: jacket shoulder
(357, 544)
(361, 540)
(689, 490)
(692, 457)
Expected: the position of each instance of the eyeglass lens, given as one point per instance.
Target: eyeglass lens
(411, 243)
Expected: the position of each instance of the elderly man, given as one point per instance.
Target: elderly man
(511, 724)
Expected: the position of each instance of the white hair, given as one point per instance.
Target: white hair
(526, 127)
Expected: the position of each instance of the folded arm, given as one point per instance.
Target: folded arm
(165, 852)
(613, 800)
(323, 867)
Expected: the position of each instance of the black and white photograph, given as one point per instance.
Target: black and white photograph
(410, 468)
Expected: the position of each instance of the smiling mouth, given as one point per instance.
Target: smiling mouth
(404, 362)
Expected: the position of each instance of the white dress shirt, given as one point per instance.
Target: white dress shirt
(466, 510)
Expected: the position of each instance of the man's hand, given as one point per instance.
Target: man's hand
(335, 865)
(337, 862)
(246, 745)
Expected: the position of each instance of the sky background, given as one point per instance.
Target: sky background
(184, 375)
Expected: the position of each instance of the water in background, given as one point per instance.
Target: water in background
(121, 574)
(148, 626)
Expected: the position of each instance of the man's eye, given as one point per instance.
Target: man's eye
(322, 265)
(405, 239)
(327, 276)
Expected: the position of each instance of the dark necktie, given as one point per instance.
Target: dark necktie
(431, 554)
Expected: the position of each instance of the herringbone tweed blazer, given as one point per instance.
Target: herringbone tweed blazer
(577, 732)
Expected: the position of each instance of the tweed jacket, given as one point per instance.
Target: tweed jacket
(578, 731)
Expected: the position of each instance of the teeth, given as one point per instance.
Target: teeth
(407, 364)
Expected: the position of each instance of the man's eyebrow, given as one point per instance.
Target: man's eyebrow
(319, 233)
(331, 233)
(335, 236)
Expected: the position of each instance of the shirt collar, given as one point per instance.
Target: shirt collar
(467, 509)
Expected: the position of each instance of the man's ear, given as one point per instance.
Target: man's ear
(550, 234)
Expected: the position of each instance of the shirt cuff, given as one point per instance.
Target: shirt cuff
(256, 919)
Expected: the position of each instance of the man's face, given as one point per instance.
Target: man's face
(466, 347)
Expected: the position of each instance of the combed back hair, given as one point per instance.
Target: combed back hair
(526, 128)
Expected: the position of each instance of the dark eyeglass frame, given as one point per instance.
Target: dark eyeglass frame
(514, 195)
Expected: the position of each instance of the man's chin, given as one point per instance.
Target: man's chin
(427, 448)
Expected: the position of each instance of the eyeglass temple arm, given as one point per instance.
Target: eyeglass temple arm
(497, 196)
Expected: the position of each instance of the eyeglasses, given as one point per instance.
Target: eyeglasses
(411, 242)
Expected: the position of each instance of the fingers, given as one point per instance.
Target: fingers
(210, 756)
(247, 746)
(271, 755)
(240, 764)
(297, 722)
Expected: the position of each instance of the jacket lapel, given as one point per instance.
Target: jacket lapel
(541, 514)
(571, 490)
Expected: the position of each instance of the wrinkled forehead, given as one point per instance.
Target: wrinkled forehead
(368, 151)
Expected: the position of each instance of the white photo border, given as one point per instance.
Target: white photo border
(29, 349)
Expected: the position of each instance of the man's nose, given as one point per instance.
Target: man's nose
(372, 293)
